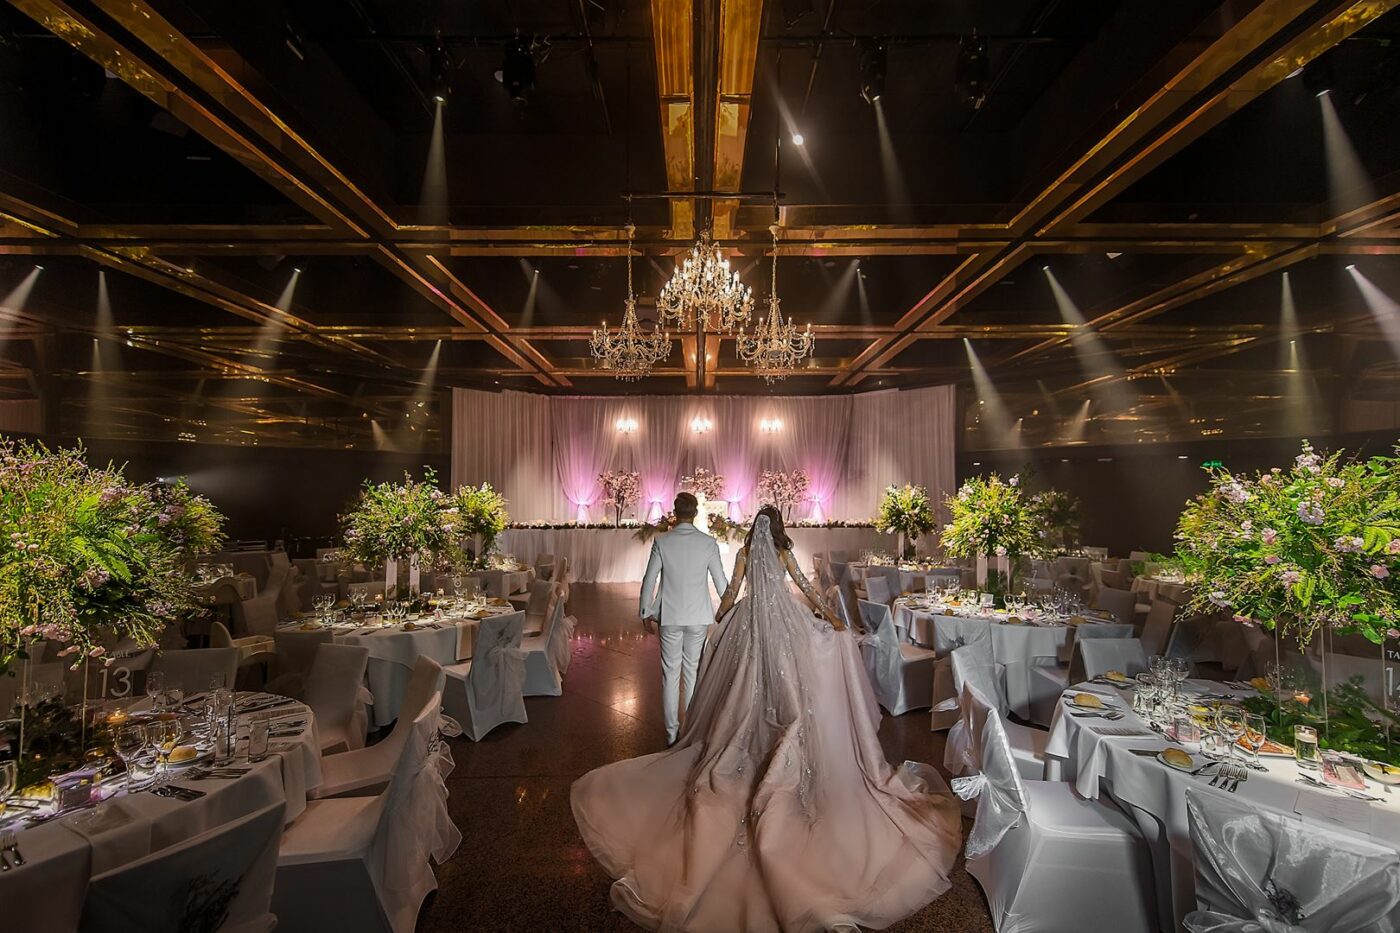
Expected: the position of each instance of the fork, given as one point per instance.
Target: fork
(1242, 778)
(1109, 716)
(10, 843)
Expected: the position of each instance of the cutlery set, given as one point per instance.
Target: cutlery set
(10, 856)
(1229, 777)
(1111, 715)
(217, 774)
(177, 792)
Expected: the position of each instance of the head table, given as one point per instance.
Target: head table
(614, 555)
(1155, 793)
(45, 895)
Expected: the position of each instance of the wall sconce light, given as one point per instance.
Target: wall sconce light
(626, 425)
(770, 425)
(701, 425)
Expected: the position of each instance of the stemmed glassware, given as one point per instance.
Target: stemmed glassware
(322, 603)
(1255, 736)
(134, 748)
(1231, 722)
(155, 689)
(9, 778)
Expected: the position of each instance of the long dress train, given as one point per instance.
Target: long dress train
(776, 809)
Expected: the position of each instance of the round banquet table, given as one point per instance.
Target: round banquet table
(1017, 647)
(45, 895)
(1155, 794)
(503, 583)
(393, 651)
(614, 555)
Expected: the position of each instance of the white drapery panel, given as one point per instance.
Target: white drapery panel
(544, 453)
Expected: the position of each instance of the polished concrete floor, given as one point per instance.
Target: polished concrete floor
(522, 865)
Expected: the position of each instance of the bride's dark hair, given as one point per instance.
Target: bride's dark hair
(775, 524)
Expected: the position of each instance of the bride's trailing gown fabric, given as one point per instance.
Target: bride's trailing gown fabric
(776, 809)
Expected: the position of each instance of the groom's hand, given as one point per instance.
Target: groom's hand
(649, 624)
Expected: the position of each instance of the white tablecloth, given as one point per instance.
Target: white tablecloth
(1016, 647)
(614, 555)
(502, 583)
(1156, 794)
(46, 894)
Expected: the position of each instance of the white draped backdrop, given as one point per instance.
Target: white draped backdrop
(544, 453)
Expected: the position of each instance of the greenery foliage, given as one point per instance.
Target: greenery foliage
(1056, 516)
(395, 521)
(1298, 549)
(990, 516)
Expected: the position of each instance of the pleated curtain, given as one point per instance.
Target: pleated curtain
(545, 452)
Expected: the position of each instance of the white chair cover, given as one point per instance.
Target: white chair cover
(218, 880)
(542, 653)
(1122, 603)
(1260, 872)
(487, 691)
(996, 782)
(336, 693)
(541, 592)
(192, 668)
(833, 597)
(371, 766)
(972, 667)
(1156, 631)
(877, 589)
(900, 673)
(1101, 655)
(296, 652)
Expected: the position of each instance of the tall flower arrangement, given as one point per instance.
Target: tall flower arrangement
(621, 490)
(704, 483)
(1300, 549)
(86, 556)
(905, 510)
(395, 521)
(478, 511)
(784, 489)
(1056, 515)
(990, 516)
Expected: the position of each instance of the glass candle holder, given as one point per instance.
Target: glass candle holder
(1305, 750)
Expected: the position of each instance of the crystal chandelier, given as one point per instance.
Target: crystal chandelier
(776, 346)
(704, 293)
(631, 352)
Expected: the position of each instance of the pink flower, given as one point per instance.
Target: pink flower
(1336, 482)
(1271, 559)
(1268, 536)
(1393, 547)
(1380, 571)
(1290, 577)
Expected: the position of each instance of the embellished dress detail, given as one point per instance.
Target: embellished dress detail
(776, 809)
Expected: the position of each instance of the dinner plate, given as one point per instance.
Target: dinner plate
(1102, 708)
(1191, 767)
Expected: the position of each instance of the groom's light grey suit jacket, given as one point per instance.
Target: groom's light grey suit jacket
(686, 559)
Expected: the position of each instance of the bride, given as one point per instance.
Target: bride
(776, 809)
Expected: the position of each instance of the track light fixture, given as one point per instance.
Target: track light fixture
(1318, 75)
(439, 71)
(972, 71)
(517, 72)
(872, 69)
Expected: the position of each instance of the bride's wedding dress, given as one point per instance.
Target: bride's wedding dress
(776, 809)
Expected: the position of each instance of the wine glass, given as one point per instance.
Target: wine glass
(131, 745)
(1255, 736)
(155, 689)
(1231, 722)
(9, 778)
(1179, 668)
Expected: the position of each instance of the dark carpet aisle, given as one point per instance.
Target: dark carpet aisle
(522, 866)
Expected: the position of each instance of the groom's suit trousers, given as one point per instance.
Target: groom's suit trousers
(680, 658)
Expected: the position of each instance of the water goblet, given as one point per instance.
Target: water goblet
(155, 689)
(1230, 720)
(1254, 737)
(136, 754)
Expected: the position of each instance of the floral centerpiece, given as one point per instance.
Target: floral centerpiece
(1299, 550)
(706, 484)
(86, 557)
(990, 517)
(403, 521)
(1056, 515)
(783, 490)
(621, 490)
(1353, 722)
(478, 512)
(907, 511)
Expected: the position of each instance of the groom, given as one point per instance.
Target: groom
(683, 557)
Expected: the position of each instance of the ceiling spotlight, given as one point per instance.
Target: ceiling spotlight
(39, 268)
(1350, 267)
(297, 270)
(291, 38)
(1113, 255)
(972, 74)
(517, 72)
(1317, 75)
(872, 69)
(797, 139)
(439, 72)
(1294, 73)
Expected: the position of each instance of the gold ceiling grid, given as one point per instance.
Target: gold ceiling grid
(129, 38)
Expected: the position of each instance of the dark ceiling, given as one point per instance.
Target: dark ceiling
(253, 227)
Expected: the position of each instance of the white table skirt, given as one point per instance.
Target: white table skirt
(614, 555)
(46, 894)
(1156, 794)
(1018, 648)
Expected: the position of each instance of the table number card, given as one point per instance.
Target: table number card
(1347, 812)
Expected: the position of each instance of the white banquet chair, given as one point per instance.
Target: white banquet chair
(219, 880)
(356, 864)
(1157, 630)
(877, 588)
(1046, 859)
(1120, 603)
(1257, 870)
(540, 593)
(833, 597)
(336, 692)
(900, 673)
(191, 669)
(1098, 656)
(367, 769)
(973, 666)
(1048, 681)
(543, 677)
(296, 652)
(944, 635)
(488, 690)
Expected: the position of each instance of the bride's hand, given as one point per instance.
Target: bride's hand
(834, 621)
